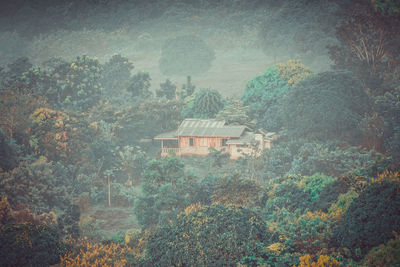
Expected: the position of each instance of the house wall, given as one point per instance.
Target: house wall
(237, 151)
(201, 145)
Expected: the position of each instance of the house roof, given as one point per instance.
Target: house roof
(167, 136)
(203, 128)
(246, 138)
(207, 128)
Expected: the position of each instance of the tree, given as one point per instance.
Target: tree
(371, 218)
(185, 55)
(235, 113)
(369, 46)
(234, 190)
(9, 153)
(78, 84)
(388, 108)
(205, 104)
(15, 109)
(146, 120)
(58, 135)
(139, 85)
(187, 89)
(167, 190)
(328, 105)
(263, 93)
(215, 235)
(167, 89)
(27, 244)
(116, 75)
(39, 184)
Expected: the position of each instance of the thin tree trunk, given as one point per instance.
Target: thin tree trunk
(109, 192)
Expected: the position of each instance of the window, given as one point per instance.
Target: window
(224, 142)
(191, 141)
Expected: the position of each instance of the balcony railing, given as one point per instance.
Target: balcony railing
(170, 150)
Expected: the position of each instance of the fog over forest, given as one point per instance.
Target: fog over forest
(247, 36)
(200, 133)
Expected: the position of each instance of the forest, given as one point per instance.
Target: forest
(86, 85)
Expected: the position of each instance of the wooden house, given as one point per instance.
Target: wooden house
(195, 137)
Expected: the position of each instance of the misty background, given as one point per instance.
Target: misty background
(247, 36)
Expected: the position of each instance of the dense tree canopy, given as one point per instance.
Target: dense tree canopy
(263, 93)
(209, 236)
(325, 106)
(369, 44)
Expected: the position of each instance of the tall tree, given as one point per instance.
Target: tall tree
(206, 103)
(369, 46)
(167, 89)
(263, 92)
(325, 106)
(139, 85)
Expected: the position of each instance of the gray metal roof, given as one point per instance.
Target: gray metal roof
(207, 128)
(246, 138)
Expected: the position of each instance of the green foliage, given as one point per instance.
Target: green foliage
(167, 190)
(78, 84)
(368, 45)
(58, 135)
(132, 161)
(330, 159)
(121, 196)
(167, 89)
(389, 7)
(27, 244)
(263, 93)
(315, 183)
(235, 113)
(217, 157)
(325, 106)
(139, 85)
(116, 75)
(185, 55)
(293, 71)
(9, 153)
(145, 120)
(187, 89)
(296, 192)
(15, 109)
(387, 254)
(234, 190)
(286, 193)
(206, 103)
(40, 184)
(68, 222)
(371, 218)
(388, 106)
(214, 235)
(343, 201)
